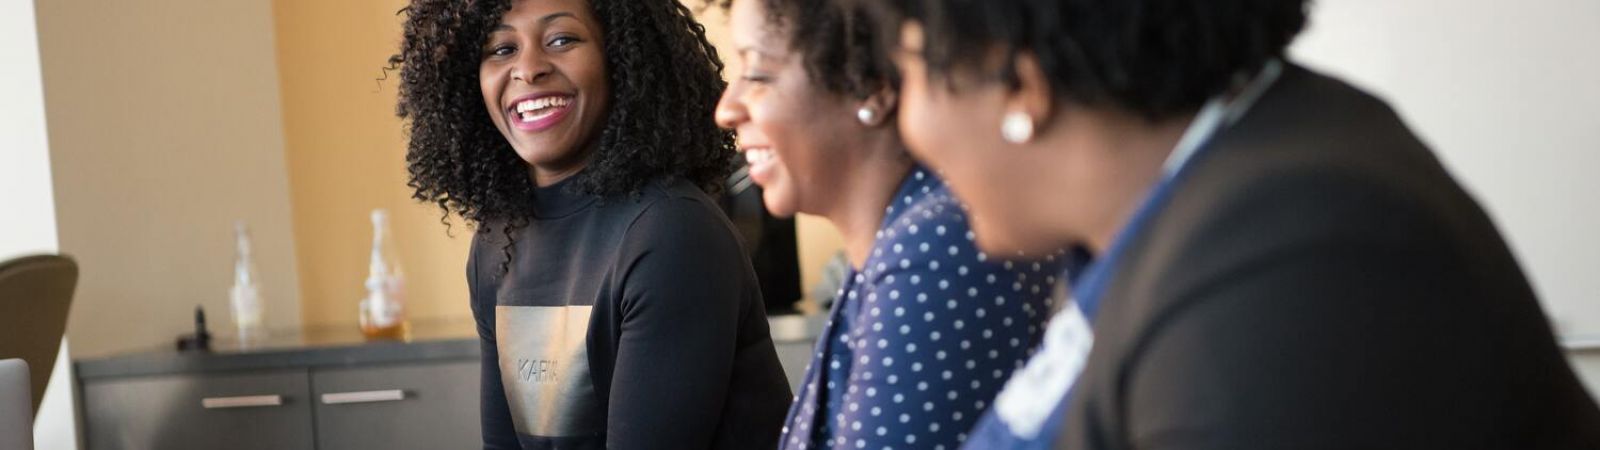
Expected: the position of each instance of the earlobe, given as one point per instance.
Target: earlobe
(877, 108)
(1030, 104)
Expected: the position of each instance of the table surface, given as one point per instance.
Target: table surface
(340, 346)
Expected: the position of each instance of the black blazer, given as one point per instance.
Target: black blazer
(1319, 281)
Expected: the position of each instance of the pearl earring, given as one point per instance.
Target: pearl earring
(1017, 127)
(867, 116)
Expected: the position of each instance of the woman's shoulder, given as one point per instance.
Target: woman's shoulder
(925, 227)
(670, 211)
(923, 201)
(679, 236)
(489, 233)
(674, 188)
(928, 231)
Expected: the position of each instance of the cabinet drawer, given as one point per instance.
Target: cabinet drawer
(270, 410)
(416, 406)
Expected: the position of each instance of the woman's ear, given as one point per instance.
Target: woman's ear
(1031, 100)
(877, 108)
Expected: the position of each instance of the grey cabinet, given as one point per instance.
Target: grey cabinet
(795, 356)
(316, 389)
(422, 405)
(418, 406)
(234, 411)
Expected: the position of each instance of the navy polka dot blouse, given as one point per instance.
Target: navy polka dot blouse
(922, 338)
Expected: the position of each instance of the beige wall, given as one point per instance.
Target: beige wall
(164, 128)
(346, 156)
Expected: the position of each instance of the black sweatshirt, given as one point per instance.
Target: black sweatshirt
(626, 323)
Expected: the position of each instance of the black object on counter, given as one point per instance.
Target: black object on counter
(201, 339)
(770, 241)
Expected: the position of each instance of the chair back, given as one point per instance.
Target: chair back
(35, 295)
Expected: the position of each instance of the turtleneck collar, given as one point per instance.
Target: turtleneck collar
(559, 200)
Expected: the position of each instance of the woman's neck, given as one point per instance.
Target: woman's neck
(1121, 169)
(865, 195)
(548, 174)
(545, 178)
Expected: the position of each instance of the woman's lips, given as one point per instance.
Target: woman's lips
(762, 162)
(541, 113)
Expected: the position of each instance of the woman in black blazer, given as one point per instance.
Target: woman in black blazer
(1281, 263)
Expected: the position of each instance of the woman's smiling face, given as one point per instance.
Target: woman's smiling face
(544, 81)
(800, 140)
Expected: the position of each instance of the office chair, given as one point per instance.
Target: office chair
(35, 294)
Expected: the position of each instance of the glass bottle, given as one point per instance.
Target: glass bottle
(244, 299)
(383, 314)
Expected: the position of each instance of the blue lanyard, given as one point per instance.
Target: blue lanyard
(1216, 115)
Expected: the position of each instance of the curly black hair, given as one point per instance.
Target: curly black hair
(664, 76)
(837, 41)
(1156, 58)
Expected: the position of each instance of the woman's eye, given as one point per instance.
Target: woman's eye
(562, 41)
(502, 50)
(756, 78)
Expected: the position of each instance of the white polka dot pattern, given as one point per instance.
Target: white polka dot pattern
(920, 342)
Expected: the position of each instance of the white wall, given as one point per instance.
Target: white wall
(165, 127)
(25, 156)
(25, 178)
(1508, 94)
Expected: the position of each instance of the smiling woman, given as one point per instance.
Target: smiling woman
(814, 109)
(607, 286)
(537, 68)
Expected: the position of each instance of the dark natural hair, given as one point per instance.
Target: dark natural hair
(1155, 58)
(664, 77)
(837, 41)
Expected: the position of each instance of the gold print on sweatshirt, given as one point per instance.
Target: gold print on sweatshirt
(544, 367)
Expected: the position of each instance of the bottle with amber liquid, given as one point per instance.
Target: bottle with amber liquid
(383, 312)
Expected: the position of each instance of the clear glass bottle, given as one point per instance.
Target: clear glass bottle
(383, 314)
(244, 299)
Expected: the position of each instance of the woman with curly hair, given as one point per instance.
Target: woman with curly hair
(926, 328)
(615, 305)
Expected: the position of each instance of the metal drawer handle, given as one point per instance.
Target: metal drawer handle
(337, 398)
(247, 401)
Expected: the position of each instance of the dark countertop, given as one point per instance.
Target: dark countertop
(294, 348)
(344, 346)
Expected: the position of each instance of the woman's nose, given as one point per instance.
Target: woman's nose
(531, 66)
(730, 110)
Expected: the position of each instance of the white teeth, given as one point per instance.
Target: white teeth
(539, 108)
(753, 156)
(542, 103)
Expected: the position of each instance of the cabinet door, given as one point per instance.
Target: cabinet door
(237, 411)
(415, 406)
(795, 356)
